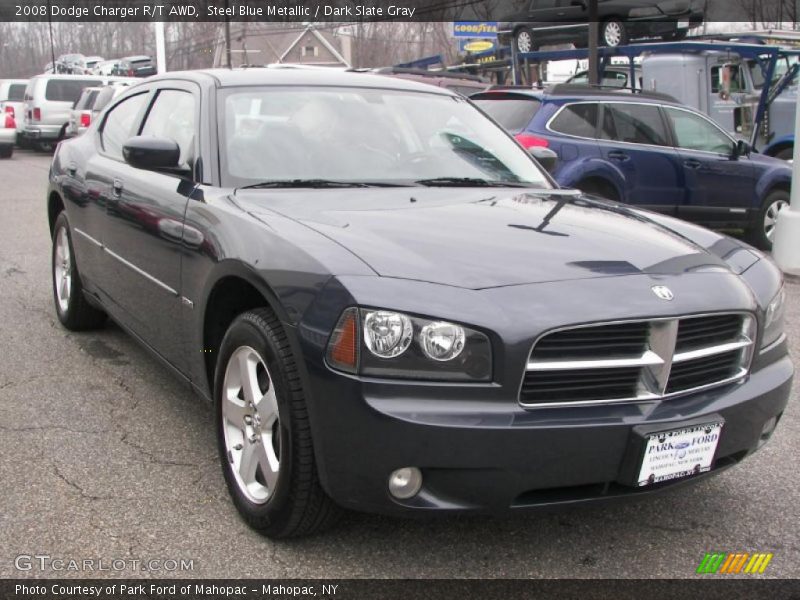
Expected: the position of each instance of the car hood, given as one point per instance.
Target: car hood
(484, 238)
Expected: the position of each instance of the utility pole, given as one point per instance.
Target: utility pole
(593, 42)
(52, 45)
(228, 61)
(161, 54)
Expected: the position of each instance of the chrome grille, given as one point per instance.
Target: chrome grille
(637, 360)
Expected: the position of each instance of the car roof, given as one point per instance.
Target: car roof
(298, 75)
(136, 58)
(583, 93)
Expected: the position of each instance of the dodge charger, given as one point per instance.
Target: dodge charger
(393, 308)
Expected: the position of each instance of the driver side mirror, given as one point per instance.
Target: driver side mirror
(545, 157)
(152, 153)
(741, 148)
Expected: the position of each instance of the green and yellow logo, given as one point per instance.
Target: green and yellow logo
(738, 562)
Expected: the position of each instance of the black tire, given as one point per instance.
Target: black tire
(613, 33)
(785, 153)
(297, 505)
(595, 187)
(761, 231)
(676, 36)
(524, 40)
(77, 314)
(44, 146)
(7, 151)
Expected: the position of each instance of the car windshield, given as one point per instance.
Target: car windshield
(781, 67)
(360, 135)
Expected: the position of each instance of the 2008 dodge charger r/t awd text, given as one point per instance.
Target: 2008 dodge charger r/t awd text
(394, 309)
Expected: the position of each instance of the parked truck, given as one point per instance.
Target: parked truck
(730, 90)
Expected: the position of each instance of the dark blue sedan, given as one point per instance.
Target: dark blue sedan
(650, 151)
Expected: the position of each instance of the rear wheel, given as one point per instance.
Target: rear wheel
(44, 146)
(596, 187)
(524, 40)
(613, 33)
(263, 431)
(762, 232)
(72, 308)
(7, 151)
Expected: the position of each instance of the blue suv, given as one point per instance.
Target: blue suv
(647, 150)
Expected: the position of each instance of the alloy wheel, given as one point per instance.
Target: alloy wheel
(771, 217)
(251, 424)
(612, 34)
(524, 41)
(62, 270)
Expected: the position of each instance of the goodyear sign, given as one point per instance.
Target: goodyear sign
(475, 29)
(475, 46)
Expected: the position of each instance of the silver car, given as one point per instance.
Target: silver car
(89, 105)
(12, 101)
(48, 103)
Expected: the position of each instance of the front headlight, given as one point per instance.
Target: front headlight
(773, 319)
(649, 11)
(383, 343)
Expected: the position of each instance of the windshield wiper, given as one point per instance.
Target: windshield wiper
(313, 183)
(467, 182)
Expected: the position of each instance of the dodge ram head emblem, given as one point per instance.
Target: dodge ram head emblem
(663, 292)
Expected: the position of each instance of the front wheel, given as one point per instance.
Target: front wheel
(263, 431)
(613, 33)
(785, 153)
(762, 233)
(7, 151)
(72, 308)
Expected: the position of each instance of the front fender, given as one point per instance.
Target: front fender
(779, 176)
(774, 145)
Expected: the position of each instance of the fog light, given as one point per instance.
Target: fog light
(405, 483)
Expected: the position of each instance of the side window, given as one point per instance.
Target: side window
(720, 74)
(577, 119)
(542, 4)
(695, 133)
(634, 123)
(173, 116)
(118, 126)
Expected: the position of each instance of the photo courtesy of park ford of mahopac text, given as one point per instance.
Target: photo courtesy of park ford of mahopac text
(399, 299)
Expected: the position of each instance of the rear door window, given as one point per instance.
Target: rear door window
(16, 92)
(579, 120)
(514, 113)
(67, 90)
(635, 124)
(86, 101)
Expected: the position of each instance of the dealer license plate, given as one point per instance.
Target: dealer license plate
(679, 453)
(683, 24)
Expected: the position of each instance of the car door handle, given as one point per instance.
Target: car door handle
(618, 155)
(692, 163)
(116, 187)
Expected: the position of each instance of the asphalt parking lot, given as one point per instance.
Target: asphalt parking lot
(106, 456)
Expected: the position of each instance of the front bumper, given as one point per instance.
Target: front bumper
(484, 458)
